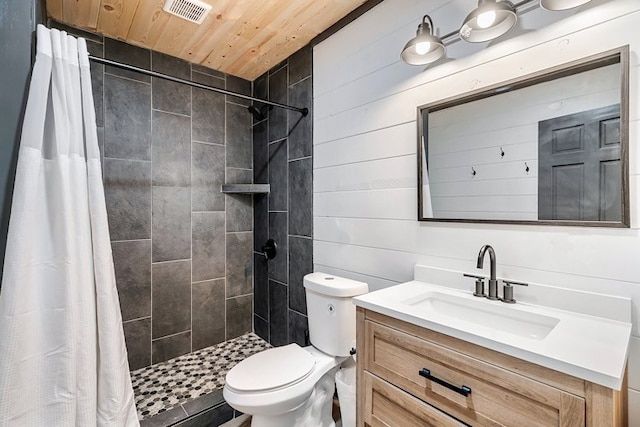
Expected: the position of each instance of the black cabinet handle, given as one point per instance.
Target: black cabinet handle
(464, 390)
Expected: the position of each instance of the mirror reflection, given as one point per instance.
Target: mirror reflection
(550, 148)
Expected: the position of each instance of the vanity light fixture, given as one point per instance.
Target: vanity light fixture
(424, 48)
(489, 20)
(561, 4)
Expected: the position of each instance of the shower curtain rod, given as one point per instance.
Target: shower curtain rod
(303, 111)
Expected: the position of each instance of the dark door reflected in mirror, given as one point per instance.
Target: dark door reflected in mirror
(549, 148)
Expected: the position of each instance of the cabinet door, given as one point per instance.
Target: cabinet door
(386, 405)
(497, 397)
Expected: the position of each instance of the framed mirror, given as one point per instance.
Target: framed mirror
(548, 148)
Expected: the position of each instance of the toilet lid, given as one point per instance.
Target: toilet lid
(270, 369)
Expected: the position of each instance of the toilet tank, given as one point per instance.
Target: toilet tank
(332, 315)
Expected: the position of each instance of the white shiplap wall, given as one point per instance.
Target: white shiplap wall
(365, 173)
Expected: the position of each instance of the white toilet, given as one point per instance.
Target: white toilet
(291, 385)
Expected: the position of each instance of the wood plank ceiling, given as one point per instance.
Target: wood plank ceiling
(243, 38)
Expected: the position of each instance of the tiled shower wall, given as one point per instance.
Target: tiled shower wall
(182, 250)
(282, 155)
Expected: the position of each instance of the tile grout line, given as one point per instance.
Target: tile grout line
(151, 219)
(226, 154)
(191, 197)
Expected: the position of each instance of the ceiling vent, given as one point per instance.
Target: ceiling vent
(191, 10)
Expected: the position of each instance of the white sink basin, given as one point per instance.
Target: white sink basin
(480, 312)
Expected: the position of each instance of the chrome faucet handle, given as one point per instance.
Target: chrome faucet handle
(507, 291)
(479, 289)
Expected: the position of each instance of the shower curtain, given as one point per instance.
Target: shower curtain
(63, 360)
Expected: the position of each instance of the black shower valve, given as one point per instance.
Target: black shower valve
(269, 250)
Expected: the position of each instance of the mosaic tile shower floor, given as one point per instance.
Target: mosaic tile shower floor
(165, 385)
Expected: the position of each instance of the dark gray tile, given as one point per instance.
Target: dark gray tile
(127, 187)
(278, 322)
(300, 138)
(171, 96)
(206, 70)
(298, 327)
(300, 264)
(301, 197)
(95, 48)
(208, 79)
(278, 66)
(208, 245)
(239, 206)
(132, 262)
(171, 299)
(166, 418)
(127, 118)
(127, 54)
(261, 86)
(278, 232)
(261, 286)
(260, 220)
(213, 417)
(208, 313)
(261, 91)
(278, 90)
(208, 111)
(170, 347)
(171, 148)
(261, 327)
(239, 176)
(170, 65)
(260, 153)
(239, 316)
(203, 403)
(168, 95)
(239, 146)
(171, 231)
(239, 264)
(278, 176)
(97, 89)
(207, 176)
(238, 85)
(300, 64)
(137, 336)
(239, 212)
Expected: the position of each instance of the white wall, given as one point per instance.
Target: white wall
(365, 172)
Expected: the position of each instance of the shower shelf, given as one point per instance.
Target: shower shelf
(246, 188)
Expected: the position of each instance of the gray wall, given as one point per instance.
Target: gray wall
(282, 150)
(18, 20)
(182, 250)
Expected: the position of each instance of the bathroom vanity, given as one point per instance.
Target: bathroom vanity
(447, 360)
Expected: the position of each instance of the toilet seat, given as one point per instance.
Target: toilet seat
(271, 369)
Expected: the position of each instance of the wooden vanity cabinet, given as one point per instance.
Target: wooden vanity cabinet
(393, 388)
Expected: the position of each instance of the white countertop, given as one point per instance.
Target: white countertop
(588, 347)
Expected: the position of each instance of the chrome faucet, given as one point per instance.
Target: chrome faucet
(493, 282)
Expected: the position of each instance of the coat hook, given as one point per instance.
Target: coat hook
(501, 152)
(473, 171)
(526, 168)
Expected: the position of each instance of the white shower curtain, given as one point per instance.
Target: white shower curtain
(63, 360)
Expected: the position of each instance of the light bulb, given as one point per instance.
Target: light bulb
(486, 19)
(422, 47)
